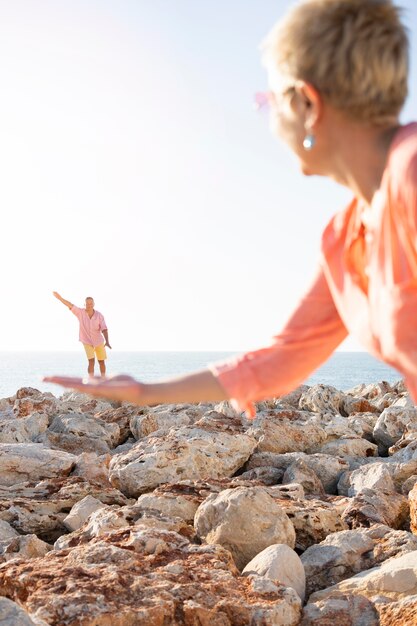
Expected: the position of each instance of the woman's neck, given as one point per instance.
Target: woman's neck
(360, 157)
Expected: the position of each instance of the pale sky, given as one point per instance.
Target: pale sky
(135, 170)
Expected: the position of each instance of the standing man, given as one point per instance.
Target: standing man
(92, 330)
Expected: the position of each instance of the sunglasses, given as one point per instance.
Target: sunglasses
(265, 100)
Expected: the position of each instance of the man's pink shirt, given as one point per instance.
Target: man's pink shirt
(90, 328)
(366, 285)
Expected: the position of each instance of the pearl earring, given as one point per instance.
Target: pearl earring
(309, 141)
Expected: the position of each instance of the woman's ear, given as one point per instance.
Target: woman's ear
(311, 103)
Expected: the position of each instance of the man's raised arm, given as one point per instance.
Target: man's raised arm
(61, 299)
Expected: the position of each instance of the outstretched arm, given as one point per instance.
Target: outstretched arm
(61, 299)
(307, 340)
(191, 388)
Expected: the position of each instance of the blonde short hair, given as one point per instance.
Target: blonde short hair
(355, 52)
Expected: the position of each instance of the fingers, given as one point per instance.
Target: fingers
(66, 381)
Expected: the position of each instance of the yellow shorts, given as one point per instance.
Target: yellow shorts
(99, 351)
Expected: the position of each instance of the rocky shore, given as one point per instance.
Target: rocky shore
(194, 515)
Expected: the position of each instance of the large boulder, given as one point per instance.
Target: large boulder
(23, 430)
(282, 431)
(32, 461)
(279, 562)
(346, 553)
(321, 399)
(327, 467)
(393, 423)
(245, 520)
(215, 447)
(393, 581)
(164, 417)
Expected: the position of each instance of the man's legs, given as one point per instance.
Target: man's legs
(100, 352)
(91, 363)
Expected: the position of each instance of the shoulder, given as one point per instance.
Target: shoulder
(402, 164)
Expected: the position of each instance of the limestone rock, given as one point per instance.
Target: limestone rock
(279, 562)
(351, 405)
(293, 398)
(282, 431)
(244, 520)
(23, 546)
(73, 444)
(81, 511)
(145, 576)
(93, 468)
(322, 398)
(265, 475)
(215, 447)
(373, 476)
(24, 429)
(392, 424)
(392, 581)
(121, 417)
(81, 425)
(412, 499)
(328, 468)
(299, 472)
(343, 610)
(11, 614)
(344, 554)
(75, 402)
(31, 461)
(227, 409)
(350, 446)
(164, 417)
(41, 508)
(376, 507)
(313, 519)
(29, 400)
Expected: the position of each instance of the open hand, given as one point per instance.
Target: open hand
(122, 388)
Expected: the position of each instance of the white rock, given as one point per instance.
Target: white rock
(245, 520)
(327, 467)
(7, 531)
(372, 476)
(394, 580)
(393, 422)
(174, 505)
(322, 398)
(279, 562)
(23, 430)
(11, 614)
(32, 461)
(81, 425)
(81, 511)
(215, 447)
(352, 446)
(344, 554)
(278, 433)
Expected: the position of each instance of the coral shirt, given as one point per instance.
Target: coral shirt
(90, 328)
(366, 286)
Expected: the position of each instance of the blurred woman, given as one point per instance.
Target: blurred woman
(337, 73)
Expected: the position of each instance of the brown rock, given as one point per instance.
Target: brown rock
(146, 577)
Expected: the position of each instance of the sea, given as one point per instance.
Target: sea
(26, 369)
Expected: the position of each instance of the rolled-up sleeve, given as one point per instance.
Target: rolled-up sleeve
(77, 312)
(312, 333)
